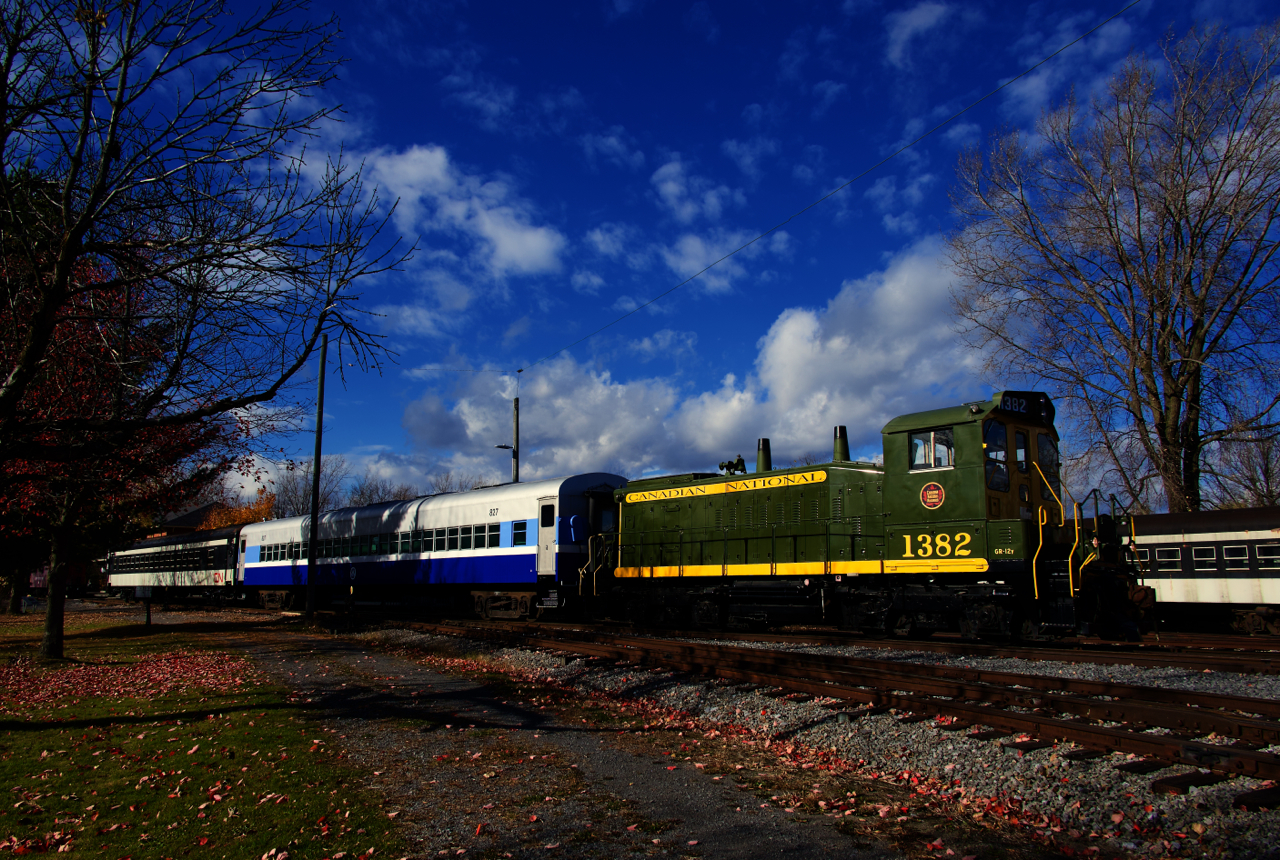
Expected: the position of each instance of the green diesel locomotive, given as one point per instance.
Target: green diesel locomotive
(963, 527)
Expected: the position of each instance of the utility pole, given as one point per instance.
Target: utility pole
(313, 543)
(515, 442)
(515, 433)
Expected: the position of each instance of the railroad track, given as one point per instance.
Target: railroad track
(1198, 653)
(1216, 733)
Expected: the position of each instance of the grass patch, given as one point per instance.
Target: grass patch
(152, 746)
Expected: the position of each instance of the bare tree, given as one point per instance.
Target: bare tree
(1126, 258)
(1245, 473)
(371, 489)
(448, 482)
(164, 141)
(293, 486)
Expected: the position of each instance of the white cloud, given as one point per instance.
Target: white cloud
(827, 92)
(611, 239)
(492, 100)
(516, 330)
(701, 21)
(687, 196)
(748, 154)
(904, 224)
(1086, 66)
(666, 343)
(962, 133)
(813, 166)
(902, 27)
(615, 146)
(435, 195)
(409, 319)
(572, 419)
(887, 195)
(793, 57)
(882, 346)
(692, 252)
(615, 9)
(585, 282)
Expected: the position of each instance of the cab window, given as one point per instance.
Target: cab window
(1020, 449)
(932, 449)
(995, 442)
(1047, 454)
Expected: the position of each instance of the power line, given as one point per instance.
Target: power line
(838, 188)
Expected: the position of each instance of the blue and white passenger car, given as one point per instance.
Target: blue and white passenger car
(507, 551)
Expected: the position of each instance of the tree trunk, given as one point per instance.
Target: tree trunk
(11, 583)
(17, 591)
(54, 617)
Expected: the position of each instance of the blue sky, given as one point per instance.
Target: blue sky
(561, 164)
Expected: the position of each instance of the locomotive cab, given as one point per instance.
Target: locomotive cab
(974, 509)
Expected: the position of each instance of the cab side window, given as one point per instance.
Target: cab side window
(1047, 454)
(995, 443)
(932, 449)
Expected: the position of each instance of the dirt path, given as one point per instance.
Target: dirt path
(481, 769)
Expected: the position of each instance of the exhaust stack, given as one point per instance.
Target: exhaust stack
(840, 449)
(764, 459)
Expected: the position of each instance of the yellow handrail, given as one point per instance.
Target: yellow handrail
(1043, 517)
(1061, 509)
(1042, 514)
(1071, 582)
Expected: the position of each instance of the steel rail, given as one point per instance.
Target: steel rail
(1260, 659)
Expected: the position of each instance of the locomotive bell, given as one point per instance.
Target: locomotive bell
(764, 459)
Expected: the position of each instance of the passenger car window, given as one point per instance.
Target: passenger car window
(519, 533)
(548, 516)
(932, 449)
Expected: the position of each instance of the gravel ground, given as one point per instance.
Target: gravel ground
(468, 769)
(493, 768)
(1087, 801)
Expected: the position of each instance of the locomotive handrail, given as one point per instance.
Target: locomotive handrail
(1071, 583)
(1061, 508)
(1042, 514)
(1044, 519)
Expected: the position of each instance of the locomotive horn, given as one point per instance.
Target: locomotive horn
(764, 460)
(840, 451)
